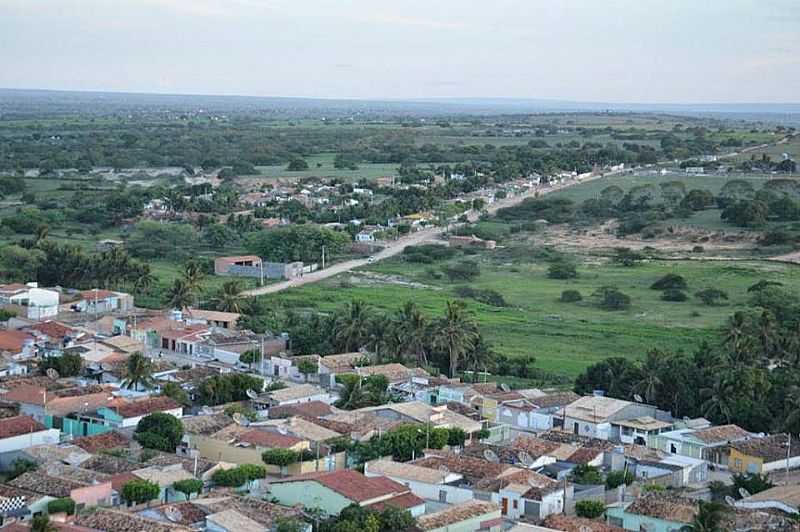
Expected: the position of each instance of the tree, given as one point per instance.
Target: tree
(352, 326)
(650, 381)
(250, 357)
(64, 504)
(412, 329)
(193, 276)
(180, 295)
(454, 334)
(281, 458)
(671, 281)
(626, 257)
(571, 296)
(20, 264)
(297, 164)
(67, 365)
(151, 240)
(140, 491)
(174, 391)
(41, 523)
(239, 475)
(228, 297)
(297, 242)
(562, 270)
(708, 518)
(586, 474)
(590, 509)
(610, 298)
(139, 372)
(307, 367)
(674, 295)
(462, 271)
(752, 482)
(188, 486)
(711, 296)
(290, 524)
(618, 478)
(159, 431)
(456, 437)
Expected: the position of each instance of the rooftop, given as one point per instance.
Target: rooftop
(300, 391)
(644, 423)
(269, 439)
(307, 409)
(212, 315)
(106, 519)
(260, 511)
(474, 470)
(40, 482)
(146, 406)
(789, 495)
(53, 329)
(578, 524)
(769, 448)
(101, 442)
(554, 399)
(206, 425)
(163, 476)
(342, 361)
(233, 520)
(305, 428)
(351, 484)
(13, 341)
(456, 513)
(721, 434)
(91, 295)
(594, 408)
(393, 372)
(664, 506)
(408, 471)
(14, 426)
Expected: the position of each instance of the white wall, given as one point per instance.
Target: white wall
(427, 491)
(600, 431)
(24, 441)
(780, 465)
(133, 421)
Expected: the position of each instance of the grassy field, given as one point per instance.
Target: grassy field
(322, 166)
(565, 337)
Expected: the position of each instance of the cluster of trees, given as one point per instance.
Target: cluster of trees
(239, 475)
(748, 375)
(403, 442)
(159, 431)
(450, 343)
(297, 243)
(355, 518)
(221, 389)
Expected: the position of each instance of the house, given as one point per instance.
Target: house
(21, 432)
(250, 265)
(783, 498)
(424, 482)
(107, 519)
(101, 301)
(593, 415)
(29, 301)
(394, 372)
(543, 452)
(467, 516)
(565, 523)
(300, 393)
(763, 455)
(419, 412)
(283, 270)
(10, 367)
(333, 491)
(639, 430)
(129, 413)
(17, 344)
(309, 410)
(332, 365)
(184, 339)
(710, 444)
(107, 441)
(519, 492)
(267, 515)
(212, 318)
(82, 486)
(227, 345)
(165, 477)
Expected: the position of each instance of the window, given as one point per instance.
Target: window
(752, 468)
(442, 496)
(515, 504)
(737, 463)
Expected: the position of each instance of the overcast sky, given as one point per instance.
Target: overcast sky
(648, 51)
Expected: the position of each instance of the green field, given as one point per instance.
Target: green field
(321, 165)
(565, 337)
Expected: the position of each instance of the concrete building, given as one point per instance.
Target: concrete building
(250, 264)
(29, 301)
(764, 455)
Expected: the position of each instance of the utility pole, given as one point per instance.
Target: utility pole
(323, 257)
(788, 456)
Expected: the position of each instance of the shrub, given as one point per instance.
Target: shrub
(590, 509)
(489, 297)
(626, 257)
(428, 253)
(280, 457)
(562, 270)
(462, 271)
(653, 488)
(617, 478)
(586, 474)
(612, 299)
(64, 504)
(698, 249)
(140, 491)
(237, 476)
(188, 486)
(456, 437)
(671, 280)
(711, 296)
(674, 294)
(159, 431)
(571, 296)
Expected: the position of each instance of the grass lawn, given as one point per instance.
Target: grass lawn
(565, 337)
(321, 165)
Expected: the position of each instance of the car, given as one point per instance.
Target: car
(371, 259)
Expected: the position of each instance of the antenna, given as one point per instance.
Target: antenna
(525, 458)
(730, 500)
(504, 387)
(491, 456)
(637, 398)
(744, 493)
(173, 514)
(52, 373)
(251, 394)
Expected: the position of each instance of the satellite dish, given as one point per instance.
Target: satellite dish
(52, 373)
(744, 493)
(251, 394)
(525, 458)
(504, 387)
(637, 398)
(730, 500)
(491, 456)
(173, 514)
(283, 430)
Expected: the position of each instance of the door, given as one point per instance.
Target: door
(505, 506)
(575, 428)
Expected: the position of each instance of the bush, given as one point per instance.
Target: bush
(462, 271)
(280, 457)
(571, 296)
(626, 257)
(612, 299)
(711, 296)
(188, 486)
(617, 478)
(590, 509)
(428, 253)
(489, 297)
(562, 270)
(140, 491)
(670, 281)
(674, 294)
(238, 476)
(698, 249)
(653, 488)
(586, 474)
(159, 431)
(64, 504)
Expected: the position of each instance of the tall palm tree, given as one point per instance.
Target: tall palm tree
(180, 295)
(140, 372)
(454, 334)
(381, 338)
(351, 328)
(792, 421)
(768, 336)
(227, 298)
(413, 330)
(708, 518)
(650, 382)
(718, 399)
(193, 276)
(738, 341)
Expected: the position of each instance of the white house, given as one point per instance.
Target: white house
(431, 484)
(22, 432)
(34, 302)
(593, 415)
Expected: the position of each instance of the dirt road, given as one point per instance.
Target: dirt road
(393, 248)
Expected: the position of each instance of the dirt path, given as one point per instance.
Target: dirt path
(397, 246)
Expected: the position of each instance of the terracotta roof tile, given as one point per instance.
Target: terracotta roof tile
(403, 502)
(664, 506)
(578, 524)
(13, 341)
(14, 426)
(105, 519)
(26, 393)
(100, 442)
(270, 440)
(769, 448)
(143, 407)
(456, 513)
(721, 434)
(311, 409)
(352, 484)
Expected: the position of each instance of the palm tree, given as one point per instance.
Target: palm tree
(140, 372)
(708, 518)
(413, 330)
(351, 329)
(228, 299)
(180, 295)
(193, 277)
(737, 338)
(718, 398)
(454, 334)
(381, 338)
(767, 334)
(792, 422)
(649, 384)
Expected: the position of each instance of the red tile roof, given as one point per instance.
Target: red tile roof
(53, 329)
(99, 442)
(17, 425)
(271, 440)
(352, 484)
(13, 340)
(26, 393)
(90, 295)
(403, 502)
(311, 409)
(145, 406)
(120, 479)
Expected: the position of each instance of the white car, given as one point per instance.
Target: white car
(371, 259)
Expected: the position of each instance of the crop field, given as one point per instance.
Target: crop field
(565, 337)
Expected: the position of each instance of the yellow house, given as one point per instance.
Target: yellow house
(763, 455)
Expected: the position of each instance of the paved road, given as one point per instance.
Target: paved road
(397, 246)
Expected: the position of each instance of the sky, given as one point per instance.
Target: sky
(620, 51)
